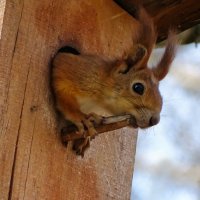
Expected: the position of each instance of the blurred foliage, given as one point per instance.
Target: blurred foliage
(191, 35)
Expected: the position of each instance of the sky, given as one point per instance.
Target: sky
(167, 164)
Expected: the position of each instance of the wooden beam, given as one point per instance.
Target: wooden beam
(177, 14)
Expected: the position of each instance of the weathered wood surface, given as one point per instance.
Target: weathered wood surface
(181, 14)
(33, 163)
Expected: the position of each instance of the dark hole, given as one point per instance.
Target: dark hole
(68, 49)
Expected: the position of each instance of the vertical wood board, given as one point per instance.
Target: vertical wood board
(33, 163)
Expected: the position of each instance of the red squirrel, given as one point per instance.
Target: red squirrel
(85, 85)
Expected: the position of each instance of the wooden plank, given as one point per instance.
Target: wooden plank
(11, 95)
(178, 14)
(2, 9)
(33, 163)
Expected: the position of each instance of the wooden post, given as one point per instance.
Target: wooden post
(33, 162)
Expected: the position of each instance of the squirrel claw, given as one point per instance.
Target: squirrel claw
(86, 125)
(80, 127)
(89, 124)
(94, 118)
(81, 145)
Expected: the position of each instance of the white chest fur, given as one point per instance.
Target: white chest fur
(88, 105)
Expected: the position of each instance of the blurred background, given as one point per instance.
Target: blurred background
(167, 165)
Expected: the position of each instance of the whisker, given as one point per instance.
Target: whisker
(175, 99)
(153, 130)
(144, 131)
(164, 115)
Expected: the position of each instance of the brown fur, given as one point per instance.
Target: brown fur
(86, 84)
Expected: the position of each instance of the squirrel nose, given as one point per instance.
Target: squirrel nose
(154, 120)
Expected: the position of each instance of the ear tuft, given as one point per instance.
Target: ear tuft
(161, 70)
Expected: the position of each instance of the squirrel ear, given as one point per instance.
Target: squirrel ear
(136, 55)
(161, 70)
(120, 67)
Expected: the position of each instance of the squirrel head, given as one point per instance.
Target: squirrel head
(137, 85)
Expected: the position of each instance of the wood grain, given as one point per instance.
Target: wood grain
(2, 9)
(178, 14)
(33, 163)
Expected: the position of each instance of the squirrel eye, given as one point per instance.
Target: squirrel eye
(138, 88)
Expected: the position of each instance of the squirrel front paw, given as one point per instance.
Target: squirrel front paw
(86, 125)
(95, 118)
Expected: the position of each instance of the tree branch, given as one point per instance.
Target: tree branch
(107, 124)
